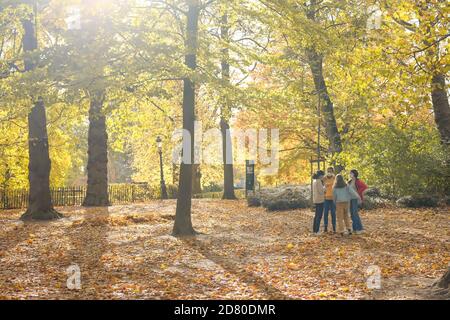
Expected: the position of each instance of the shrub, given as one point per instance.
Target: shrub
(285, 204)
(282, 198)
(446, 201)
(373, 192)
(418, 201)
(401, 160)
(212, 187)
(371, 203)
(253, 201)
(172, 191)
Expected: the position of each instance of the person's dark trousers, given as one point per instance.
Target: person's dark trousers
(317, 217)
(356, 220)
(329, 206)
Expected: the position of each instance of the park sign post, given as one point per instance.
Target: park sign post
(249, 176)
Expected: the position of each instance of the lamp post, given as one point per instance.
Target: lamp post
(163, 183)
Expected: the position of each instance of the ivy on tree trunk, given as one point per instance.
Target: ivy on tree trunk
(97, 167)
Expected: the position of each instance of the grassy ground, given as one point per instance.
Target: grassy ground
(126, 252)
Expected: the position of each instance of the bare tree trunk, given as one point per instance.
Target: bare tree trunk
(40, 203)
(441, 288)
(97, 167)
(228, 171)
(441, 107)
(315, 61)
(444, 282)
(227, 147)
(183, 221)
(175, 173)
(196, 179)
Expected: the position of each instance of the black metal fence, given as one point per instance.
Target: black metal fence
(118, 194)
(74, 196)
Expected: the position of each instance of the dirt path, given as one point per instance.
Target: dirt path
(126, 252)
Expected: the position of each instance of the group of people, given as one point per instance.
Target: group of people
(331, 194)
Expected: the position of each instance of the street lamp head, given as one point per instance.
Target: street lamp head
(159, 143)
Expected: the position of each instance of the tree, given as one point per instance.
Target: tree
(310, 28)
(196, 179)
(315, 61)
(97, 167)
(419, 36)
(227, 148)
(40, 203)
(442, 286)
(441, 106)
(87, 64)
(183, 222)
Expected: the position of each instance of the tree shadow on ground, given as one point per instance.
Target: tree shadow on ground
(20, 240)
(89, 242)
(234, 267)
(18, 234)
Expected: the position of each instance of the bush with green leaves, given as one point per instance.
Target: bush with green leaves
(401, 160)
(281, 198)
(418, 201)
(212, 187)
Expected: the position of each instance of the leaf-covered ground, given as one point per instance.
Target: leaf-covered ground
(126, 252)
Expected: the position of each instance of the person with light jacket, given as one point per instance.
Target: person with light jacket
(342, 194)
(318, 190)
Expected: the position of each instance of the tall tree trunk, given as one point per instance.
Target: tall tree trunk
(40, 203)
(183, 221)
(441, 107)
(228, 173)
(97, 167)
(227, 148)
(315, 62)
(444, 282)
(441, 288)
(196, 179)
(175, 173)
